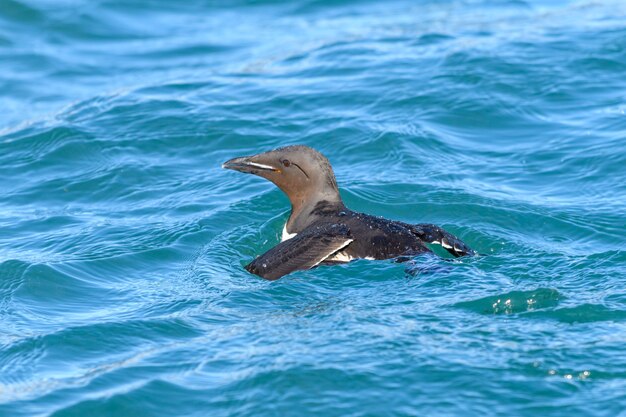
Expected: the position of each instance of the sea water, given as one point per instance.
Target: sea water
(122, 241)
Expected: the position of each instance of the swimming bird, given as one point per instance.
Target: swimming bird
(321, 230)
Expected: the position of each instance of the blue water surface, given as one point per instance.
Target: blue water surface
(122, 241)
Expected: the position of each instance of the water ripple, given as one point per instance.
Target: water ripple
(122, 288)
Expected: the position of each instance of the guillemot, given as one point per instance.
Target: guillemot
(321, 230)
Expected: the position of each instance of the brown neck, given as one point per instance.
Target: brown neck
(302, 204)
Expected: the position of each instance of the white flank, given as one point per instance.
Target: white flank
(346, 243)
(286, 236)
(340, 257)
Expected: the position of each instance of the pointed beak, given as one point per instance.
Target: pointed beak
(248, 165)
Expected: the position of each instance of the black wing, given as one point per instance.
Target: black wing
(304, 251)
(434, 234)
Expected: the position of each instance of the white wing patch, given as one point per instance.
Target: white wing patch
(336, 255)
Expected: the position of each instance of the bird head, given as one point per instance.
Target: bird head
(301, 172)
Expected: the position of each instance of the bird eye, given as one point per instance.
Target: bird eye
(286, 162)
